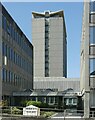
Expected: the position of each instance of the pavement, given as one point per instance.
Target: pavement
(61, 116)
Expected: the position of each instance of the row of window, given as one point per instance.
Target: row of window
(50, 100)
(15, 58)
(53, 100)
(14, 79)
(19, 39)
(92, 39)
(46, 48)
(71, 101)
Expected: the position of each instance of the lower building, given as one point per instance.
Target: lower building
(67, 99)
(16, 57)
(59, 83)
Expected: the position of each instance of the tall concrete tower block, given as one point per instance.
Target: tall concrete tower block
(50, 45)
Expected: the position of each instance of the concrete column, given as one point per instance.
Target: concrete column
(86, 104)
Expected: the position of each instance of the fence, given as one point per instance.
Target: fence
(16, 113)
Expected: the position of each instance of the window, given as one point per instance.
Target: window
(8, 27)
(13, 32)
(6, 75)
(92, 50)
(51, 99)
(3, 50)
(56, 100)
(44, 99)
(47, 99)
(16, 80)
(92, 66)
(75, 101)
(9, 76)
(14, 57)
(3, 74)
(12, 79)
(40, 99)
(70, 101)
(9, 53)
(92, 18)
(4, 22)
(92, 6)
(92, 35)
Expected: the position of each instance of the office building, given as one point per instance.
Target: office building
(50, 44)
(16, 57)
(88, 58)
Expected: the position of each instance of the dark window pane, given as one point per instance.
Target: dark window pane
(3, 74)
(92, 66)
(8, 27)
(3, 48)
(6, 50)
(9, 53)
(9, 75)
(6, 76)
(92, 35)
(70, 101)
(4, 23)
(52, 100)
(92, 6)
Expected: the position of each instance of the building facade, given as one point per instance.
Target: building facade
(88, 57)
(59, 83)
(16, 57)
(66, 99)
(50, 45)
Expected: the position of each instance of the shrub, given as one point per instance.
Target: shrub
(15, 110)
(3, 103)
(38, 104)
